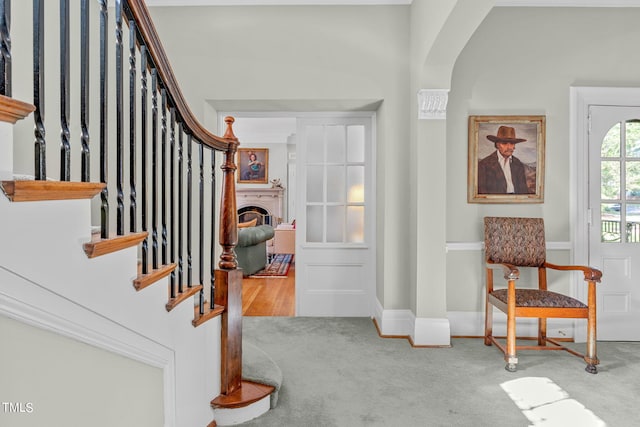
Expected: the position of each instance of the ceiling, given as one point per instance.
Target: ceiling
(524, 3)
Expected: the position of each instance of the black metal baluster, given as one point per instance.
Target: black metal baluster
(5, 47)
(84, 92)
(172, 202)
(65, 133)
(201, 233)
(119, 121)
(163, 203)
(154, 167)
(180, 207)
(213, 228)
(143, 154)
(104, 123)
(189, 213)
(38, 89)
(133, 202)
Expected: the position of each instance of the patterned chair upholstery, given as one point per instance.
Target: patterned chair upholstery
(511, 243)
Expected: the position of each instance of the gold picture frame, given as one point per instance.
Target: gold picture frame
(253, 165)
(519, 142)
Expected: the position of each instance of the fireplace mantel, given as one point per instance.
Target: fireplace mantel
(270, 199)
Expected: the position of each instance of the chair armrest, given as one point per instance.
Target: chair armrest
(590, 274)
(511, 272)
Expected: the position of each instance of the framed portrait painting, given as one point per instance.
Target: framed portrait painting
(253, 165)
(506, 159)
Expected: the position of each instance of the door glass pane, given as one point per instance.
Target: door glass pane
(633, 223)
(355, 224)
(355, 184)
(632, 142)
(335, 184)
(355, 144)
(633, 181)
(610, 183)
(610, 220)
(315, 224)
(315, 144)
(315, 184)
(611, 142)
(335, 224)
(336, 144)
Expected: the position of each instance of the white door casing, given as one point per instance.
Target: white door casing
(335, 216)
(594, 112)
(614, 241)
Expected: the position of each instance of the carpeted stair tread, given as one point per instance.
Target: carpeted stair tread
(258, 367)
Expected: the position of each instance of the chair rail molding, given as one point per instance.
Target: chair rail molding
(432, 104)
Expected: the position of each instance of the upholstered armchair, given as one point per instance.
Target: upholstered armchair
(251, 250)
(513, 243)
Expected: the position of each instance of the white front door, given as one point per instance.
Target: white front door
(614, 202)
(335, 272)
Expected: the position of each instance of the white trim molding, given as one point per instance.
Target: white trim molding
(431, 332)
(479, 246)
(432, 104)
(471, 324)
(394, 322)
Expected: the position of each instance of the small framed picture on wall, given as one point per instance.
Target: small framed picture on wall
(253, 165)
(506, 159)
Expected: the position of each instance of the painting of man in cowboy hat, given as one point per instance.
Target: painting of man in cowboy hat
(501, 172)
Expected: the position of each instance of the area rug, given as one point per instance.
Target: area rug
(278, 267)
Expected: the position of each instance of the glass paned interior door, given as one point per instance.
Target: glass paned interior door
(620, 183)
(335, 202)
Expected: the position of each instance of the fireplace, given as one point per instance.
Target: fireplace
(249, 213)
(264, 204)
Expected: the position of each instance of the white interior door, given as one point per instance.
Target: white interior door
(614, 200)
(335, 273)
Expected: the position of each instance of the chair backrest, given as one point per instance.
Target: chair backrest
(516, 241)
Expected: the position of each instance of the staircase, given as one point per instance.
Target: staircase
(144, 282)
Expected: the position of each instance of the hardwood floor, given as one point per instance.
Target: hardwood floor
(269, 297)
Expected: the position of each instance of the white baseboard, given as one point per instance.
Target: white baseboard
(422, 331)
(471, 324)
(437, 332)
(235, 416)
(394, 322)
(431, 332)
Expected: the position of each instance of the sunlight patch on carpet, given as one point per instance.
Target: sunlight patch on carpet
(545, 404)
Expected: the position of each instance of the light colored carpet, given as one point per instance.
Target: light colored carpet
(339, 372)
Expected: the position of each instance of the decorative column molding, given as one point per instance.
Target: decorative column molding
(432, 104)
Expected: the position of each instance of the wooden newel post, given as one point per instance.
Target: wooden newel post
(228, 290)
(228, 209)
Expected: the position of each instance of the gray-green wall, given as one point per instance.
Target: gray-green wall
(55, 380)
(318, 57)
(520, 61)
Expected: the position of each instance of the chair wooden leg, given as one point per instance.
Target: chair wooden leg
(591, 357)
(510, 355)
(488, 322)
(542, 331)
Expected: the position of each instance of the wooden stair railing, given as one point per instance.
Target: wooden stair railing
(159, 129)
